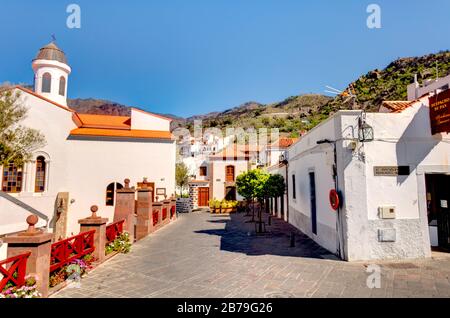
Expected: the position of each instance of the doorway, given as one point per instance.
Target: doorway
(438, 208)
(312, 187)
(203, 196)
(230, 193)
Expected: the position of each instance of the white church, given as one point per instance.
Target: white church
(85, 159)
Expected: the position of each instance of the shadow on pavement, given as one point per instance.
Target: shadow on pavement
(240, 237)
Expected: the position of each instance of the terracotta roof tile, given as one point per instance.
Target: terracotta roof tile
(397, 105)
(133, 133)
(284, 142)
(104, 121)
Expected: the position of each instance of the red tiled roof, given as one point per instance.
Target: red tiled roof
(284, 142)
(236, 151)
(132, 133)
(104, 121)
(397, 105)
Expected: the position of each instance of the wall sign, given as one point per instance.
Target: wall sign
(440, 112)
(391, 170)
(160, 191)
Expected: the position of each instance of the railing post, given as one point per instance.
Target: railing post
(98, 224)
(157, 209)
(125, 208)
(144, 221)
(166, 211)
(173, 208)
(39, 244)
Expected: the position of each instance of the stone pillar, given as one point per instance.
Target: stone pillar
(144, 222)
(39, 244)
(166, 211)
(125, 208)
(157, 209)
(61, 212)
(98, 224)
(173, 207)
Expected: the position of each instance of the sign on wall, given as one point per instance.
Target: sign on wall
(391, 171)
(440, 112)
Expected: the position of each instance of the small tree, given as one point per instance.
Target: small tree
(275, 187)
(181, 176)
(250, 185)
(16, 142)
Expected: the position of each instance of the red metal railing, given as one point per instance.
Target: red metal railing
(164, 213)
(172, 211)
(155, 217)
(75, 247)
(13, 270)
(113, 230)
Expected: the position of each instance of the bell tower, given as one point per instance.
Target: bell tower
(51, 73)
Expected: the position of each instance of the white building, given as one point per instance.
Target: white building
(85, 159)
(394, 188)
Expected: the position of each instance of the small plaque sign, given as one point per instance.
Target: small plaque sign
(391, 170)
(161, 191)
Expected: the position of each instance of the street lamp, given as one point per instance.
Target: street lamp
(365, 131)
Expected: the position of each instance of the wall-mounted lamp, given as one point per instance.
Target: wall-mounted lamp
(365, 131)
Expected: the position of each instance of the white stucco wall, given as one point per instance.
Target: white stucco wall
(217, 178)
(143, 120)
(304, 157)
(85, 166)
(401, 139)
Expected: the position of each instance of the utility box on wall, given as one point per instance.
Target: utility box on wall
(386, 212)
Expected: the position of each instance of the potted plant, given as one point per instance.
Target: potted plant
(217, 206)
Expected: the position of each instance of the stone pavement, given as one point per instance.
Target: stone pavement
(203, 255)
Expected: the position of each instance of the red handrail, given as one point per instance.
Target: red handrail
(164, 213)
(155, 217)
(113, 230)
(75, 247)
(18, 265)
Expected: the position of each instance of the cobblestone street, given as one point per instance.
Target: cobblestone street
(203, 255)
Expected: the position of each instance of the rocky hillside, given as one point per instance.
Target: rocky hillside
(303, 112)
(390, 83)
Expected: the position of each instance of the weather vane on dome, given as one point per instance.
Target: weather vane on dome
(53, 38)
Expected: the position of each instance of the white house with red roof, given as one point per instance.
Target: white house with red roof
(86, 157)
(375, 185)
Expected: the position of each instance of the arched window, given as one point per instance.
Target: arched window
(111, 191)
(229, 173)
(62, 86)
(39, 184)
(46, 83)
(12, 178)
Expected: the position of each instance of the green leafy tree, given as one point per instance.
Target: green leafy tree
(181, 176)
(274, 187)
(16, 141)
(250, 185)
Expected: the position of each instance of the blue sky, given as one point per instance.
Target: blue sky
(192, 57)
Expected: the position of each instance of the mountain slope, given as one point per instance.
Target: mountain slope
(303, 112)
(391, 83)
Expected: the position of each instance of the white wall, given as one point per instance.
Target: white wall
(218, 173)
(400, 139)
(304, 157)
(85, 166)
(143, 120)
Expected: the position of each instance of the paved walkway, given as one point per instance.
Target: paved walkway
(203, 255)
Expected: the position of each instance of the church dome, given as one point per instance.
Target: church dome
(51, 52)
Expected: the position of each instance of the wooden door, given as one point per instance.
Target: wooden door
(203, 196)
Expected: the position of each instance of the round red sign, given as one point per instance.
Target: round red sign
(334, 199)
